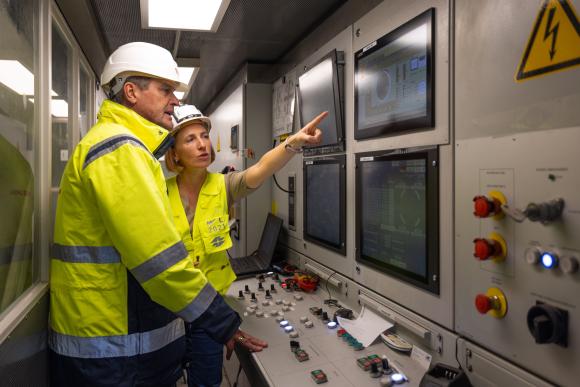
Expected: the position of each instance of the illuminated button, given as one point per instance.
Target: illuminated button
(284, 323)
(482, 303)
(332, 325)
(397, 378)
(288, 328)
(549, 260)
(569, 264)
(484, 207)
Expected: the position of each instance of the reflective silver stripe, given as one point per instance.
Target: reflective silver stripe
(11, 254)
(110, 144)
(199, 304)
(85, 254)
(160, 262)
(116, 346)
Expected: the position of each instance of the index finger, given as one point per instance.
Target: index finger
(316, 120)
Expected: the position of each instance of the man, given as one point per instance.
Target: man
(120, 274)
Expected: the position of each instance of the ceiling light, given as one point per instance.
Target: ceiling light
(17, 77)
(179, 94)
(195, 15)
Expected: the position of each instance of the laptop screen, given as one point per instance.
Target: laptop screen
(269, 237)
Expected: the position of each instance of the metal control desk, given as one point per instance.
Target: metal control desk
(277, 365)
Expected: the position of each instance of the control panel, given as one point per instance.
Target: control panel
(306, 346)
(517, 248)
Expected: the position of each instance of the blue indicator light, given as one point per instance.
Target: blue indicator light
(289, 328)
(548, 260)
(283, 323)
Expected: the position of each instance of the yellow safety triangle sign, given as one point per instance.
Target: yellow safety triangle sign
(554, 43)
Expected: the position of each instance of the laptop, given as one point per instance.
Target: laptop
(260, 261)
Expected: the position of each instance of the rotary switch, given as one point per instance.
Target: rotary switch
(548, 324)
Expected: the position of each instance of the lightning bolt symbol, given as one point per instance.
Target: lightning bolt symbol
(552, 31)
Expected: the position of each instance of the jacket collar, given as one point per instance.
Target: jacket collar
(155, 138)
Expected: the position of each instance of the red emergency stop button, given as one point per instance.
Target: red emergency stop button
(482, 303)
(484, 207)
(486, 248)
(492, 303)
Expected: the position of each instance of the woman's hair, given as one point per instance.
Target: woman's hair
(173, 165)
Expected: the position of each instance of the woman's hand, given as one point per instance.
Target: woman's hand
(248, 341)
(309, 134)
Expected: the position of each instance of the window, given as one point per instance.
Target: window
(18, 264)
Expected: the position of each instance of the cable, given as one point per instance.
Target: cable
(274, 175)
(331, 301)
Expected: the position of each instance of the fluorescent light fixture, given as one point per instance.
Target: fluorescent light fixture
(179, 94)
(187, 74)
(17, 77)
(189, 15)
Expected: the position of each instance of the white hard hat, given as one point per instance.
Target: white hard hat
(186, 114)
(140, 58)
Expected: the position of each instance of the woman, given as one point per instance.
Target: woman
(200, 202)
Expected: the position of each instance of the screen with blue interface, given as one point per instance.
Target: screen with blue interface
(397, 231)
(393, 82)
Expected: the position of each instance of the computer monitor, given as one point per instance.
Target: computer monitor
(394, 80)
(397, 214)
(320, 89)
(325, 202)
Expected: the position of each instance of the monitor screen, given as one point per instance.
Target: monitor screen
(397, 221)
(325, 201)
(319, 90)
(394, 80)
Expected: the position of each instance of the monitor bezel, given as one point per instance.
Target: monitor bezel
(431, 281)
(337, 87)
(341, 161)
(419, 123)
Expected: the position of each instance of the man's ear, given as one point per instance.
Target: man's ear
(130, 89)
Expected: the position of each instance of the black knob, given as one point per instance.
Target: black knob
(268, 294)
(241, 294)
(276, 277)
(272, 287)
(294, 345)
(385, 364)
(548, 324)
(246, 289)
(260, 287)
(253, 296)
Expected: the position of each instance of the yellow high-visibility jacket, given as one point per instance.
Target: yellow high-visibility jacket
(120, 274)
(209, 238)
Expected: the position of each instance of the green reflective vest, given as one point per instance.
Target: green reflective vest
(209, 238)
(113, 216)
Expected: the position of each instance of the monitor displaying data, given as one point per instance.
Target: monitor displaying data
(325, 201)
(397, 218)
(319, 90)
(394, 81)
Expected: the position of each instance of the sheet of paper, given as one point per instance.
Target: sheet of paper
(367, 327)
(421, 357)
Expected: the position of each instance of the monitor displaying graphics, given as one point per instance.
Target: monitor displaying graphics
(394, 76)
(397, 214)
(319, 90)
(325, 202)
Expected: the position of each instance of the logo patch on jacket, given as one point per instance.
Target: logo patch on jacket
(217, 241)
